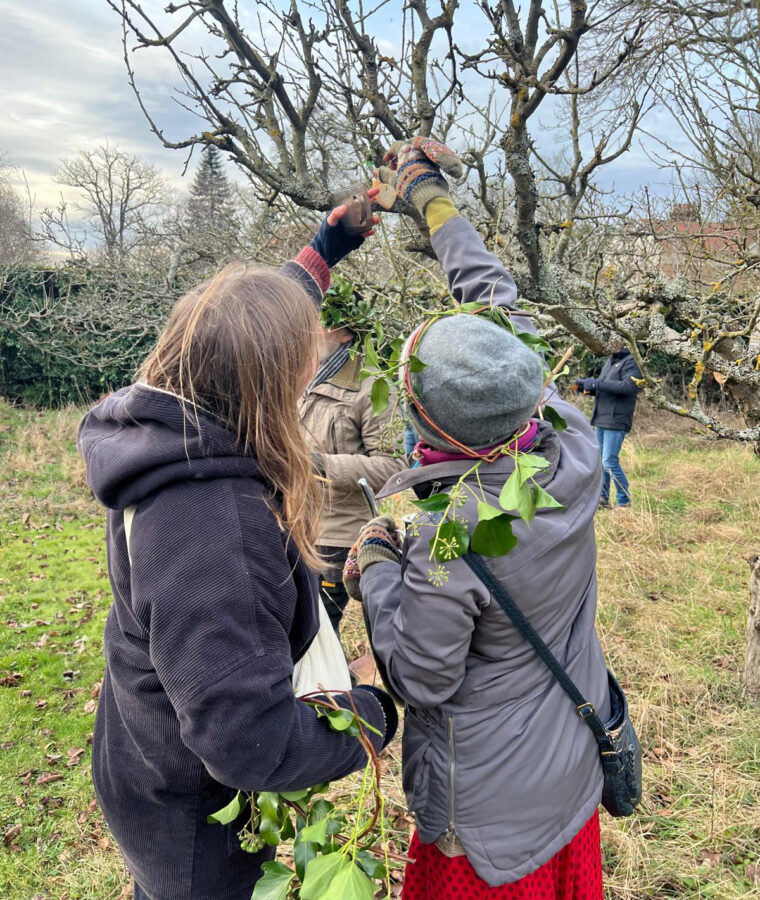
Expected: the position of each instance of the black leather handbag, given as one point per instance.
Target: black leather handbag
(619, 748)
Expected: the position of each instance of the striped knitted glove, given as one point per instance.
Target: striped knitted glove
(378, 542)
(351, 575)
(414, 170)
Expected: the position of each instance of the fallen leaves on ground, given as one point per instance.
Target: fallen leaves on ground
(49, 777)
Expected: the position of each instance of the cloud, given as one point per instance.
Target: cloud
(65, 88)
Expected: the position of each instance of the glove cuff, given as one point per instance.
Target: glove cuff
(419, 182)
(375, 550)
(315, 267)
(438, 212)
(389, 710)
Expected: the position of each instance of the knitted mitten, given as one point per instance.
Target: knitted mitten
(414, 170)
(351, 575)
(332, 243)
(377, 543)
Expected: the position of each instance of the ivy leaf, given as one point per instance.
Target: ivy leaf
(552, 416)
(320, 809)
(230, 812)
(295, 796)
(396, 346)
(370, 864)
(379, 332)
(340, 720)
(544, 500)
(350, 884)
(416, 364)
(433, 503)
(379, 396)
(268, 803)
(303, 853)
(275, 883)
(451, 540)
(509, 498)
(287, 831)
(323, 810)
(322, 788)
(518, 496)
(270, 828)
(534, 341)
(528, 465)
(370, 354)
(315, 833)
(486, 511)
(320, 873)
(494, 537)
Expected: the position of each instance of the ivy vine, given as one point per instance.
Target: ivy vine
(338, 854)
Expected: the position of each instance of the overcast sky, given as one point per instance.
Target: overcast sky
(64, 87)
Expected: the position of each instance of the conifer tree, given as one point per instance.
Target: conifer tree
(211, 222)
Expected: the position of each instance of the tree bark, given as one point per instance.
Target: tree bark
(751, 677)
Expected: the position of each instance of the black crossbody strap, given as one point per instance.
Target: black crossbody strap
(584, 709)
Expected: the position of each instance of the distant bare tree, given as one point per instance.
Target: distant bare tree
(120, 201)
(17, 243)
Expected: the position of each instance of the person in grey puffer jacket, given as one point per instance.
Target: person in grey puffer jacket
(502, 775)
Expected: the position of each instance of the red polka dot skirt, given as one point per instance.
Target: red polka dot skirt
(575, 873)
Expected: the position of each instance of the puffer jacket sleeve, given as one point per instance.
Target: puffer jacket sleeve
(474, 273)
(383, 453)
(219, 590)
(422, 633)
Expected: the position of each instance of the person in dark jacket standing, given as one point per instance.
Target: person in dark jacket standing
(212, 515)
(502, 776)
(614, 393)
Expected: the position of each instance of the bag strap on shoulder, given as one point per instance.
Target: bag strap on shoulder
(583, 708)
(129, 514)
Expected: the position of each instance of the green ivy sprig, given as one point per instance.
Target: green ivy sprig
(338, 854)
(493, 534)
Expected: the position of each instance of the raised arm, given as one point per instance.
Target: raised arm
(474, 273)
(331, 244)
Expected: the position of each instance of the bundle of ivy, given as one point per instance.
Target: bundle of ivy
(338, 853)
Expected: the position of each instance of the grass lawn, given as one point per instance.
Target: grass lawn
(673, 605)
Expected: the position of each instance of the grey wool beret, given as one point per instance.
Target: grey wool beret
(480, 384)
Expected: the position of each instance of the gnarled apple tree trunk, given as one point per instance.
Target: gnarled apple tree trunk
(751, 678)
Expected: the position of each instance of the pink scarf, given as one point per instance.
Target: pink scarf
(428, 456)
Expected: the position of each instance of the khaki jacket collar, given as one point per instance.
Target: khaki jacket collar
(345, 379)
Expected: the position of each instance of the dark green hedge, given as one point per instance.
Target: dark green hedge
(45, 364)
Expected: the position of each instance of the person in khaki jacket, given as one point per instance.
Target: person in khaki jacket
(347, 440)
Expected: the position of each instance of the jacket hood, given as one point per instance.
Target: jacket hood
(141, 439)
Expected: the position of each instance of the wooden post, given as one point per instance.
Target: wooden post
(751, 677)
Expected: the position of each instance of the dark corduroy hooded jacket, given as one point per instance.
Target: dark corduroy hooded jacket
(206, 622)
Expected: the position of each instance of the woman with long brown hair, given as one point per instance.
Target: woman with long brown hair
(212, 516)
